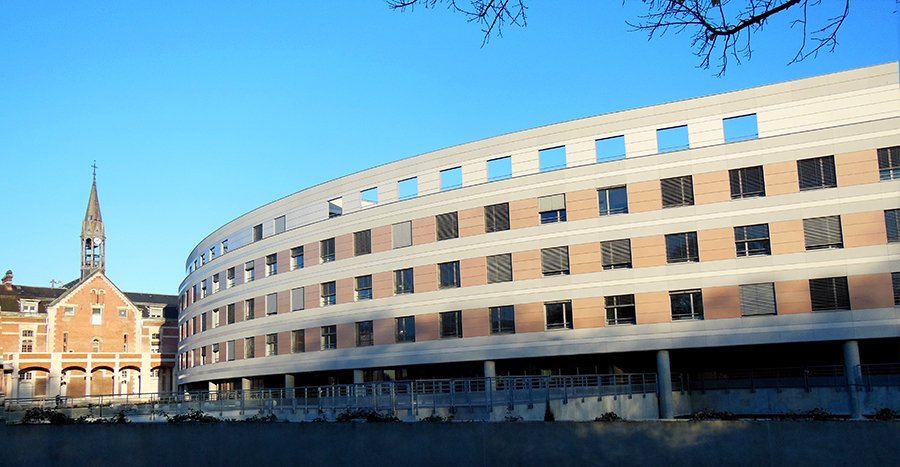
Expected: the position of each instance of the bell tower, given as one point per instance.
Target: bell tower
(93, 239)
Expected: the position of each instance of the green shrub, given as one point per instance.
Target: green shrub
(886, 414)
(609, 417)
(437, 418)
(367, 415)
(707, 414)
(193, 416)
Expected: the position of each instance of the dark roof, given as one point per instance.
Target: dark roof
(9, 299)
(161, 299)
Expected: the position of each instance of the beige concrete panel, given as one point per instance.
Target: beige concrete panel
(343, 247)
(648, 251)
(581, 205)
(525, 162)
(526, 265)
(344, 290)
(428, 327)
(523, 213)
(476, 322)
(311, 296)
(857, 168)
(425, 278)
(721, 302)
(787, 237)
(284, 301)
(580, 153)
(711, 187)
(644, 196)
(312, 339)
(474, 172)
(383, 331)
(863, 229)
(871, 291)
(382, 284)
(471, 222)
(652, 307)
(792, 297)
(588, 313)
(473, 271)
(381, 238)
(346, 335)
(311, 254)
(529, 317)
(716, 244)
(640, 141)
(781, 178)
(284, 343)
(423, 230)
(705, 131)
(585, 258)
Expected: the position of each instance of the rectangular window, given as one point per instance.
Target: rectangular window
(329, 337)
(559, 315)
(329, 293)
(362, 242)
(449, 274)
(212, 253)
(451, 178)
(403, 281)
(249, 347)
(364, 334)
(297, 341)
(28, 333)
(229, 351)
(369, 197)
(27, 345)
(279, 224)
(613, 200)
(677, 191)
(553, 158)
(215, 353)
(249, 309)
(447, 226)
(408, 188)
(892, 225)
(822, 233)
(326, 248)
(229, 278)
(297, 258)
(215, 318)
(616, 254)
(757, 299)
(620, 310)
(752, 240)
(271, 265)
(552, 208)
(682, 248)
(335, 207)
(203, 360)
(829, 294)
(496, 217)
(271, 345)
(686, 304)
(672, 139)
(257, 232)
(451, 324)
(298, 299)
(499, 168)
(748, 182)
(202, 259)
(215, 283)
(229, 314)
(69, 311)
(123, 312)
(499, 268)
(96, 315)
(889, 163)
(503, 319)
(249, 271)
(895, 279)
(364, 287)
(271, 304)
(402, 234)
(610, 149)
(740, 128)
(224, 246)
(406, 329)
(816, 173)
(555, 261)
(203, 322)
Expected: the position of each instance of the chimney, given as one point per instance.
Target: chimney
(7, 280)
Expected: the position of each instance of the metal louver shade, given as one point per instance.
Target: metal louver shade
(499, 268)
(616, 254)
(823, 232)
(447, 226)
(552, 203)
(677, 191)
(555, 260)
(757, 299)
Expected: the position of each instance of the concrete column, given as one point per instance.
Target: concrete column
(851, 366)
(211, 386)
(88, 374)
(664, 385)
(245, 384)
(358, 377)
(490, 369)
(289, 386)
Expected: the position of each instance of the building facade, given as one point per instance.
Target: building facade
(86, 337)
(750, 229)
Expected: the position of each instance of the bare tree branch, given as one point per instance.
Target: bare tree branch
(491, 14)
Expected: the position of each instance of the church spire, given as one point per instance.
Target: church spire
(93, 239)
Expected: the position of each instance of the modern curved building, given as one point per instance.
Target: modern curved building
(751, 229)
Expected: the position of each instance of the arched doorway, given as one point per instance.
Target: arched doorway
(102, 381)
(33, 382)
(72, 382)
(129, 381)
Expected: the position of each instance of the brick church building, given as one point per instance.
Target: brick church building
(86, 337)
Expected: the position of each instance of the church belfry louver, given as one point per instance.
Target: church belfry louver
(93, 239)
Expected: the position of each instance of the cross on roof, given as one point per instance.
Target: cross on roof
(95, 169)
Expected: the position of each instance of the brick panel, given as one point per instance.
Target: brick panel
(648, 251)
(471, 222)
(644, 196)
(311, 254)
(582, 205)
(781, 178)
(423, 230)
(428, 327)
(792, 297)
(473, 271)
(585, 258)
(588, 313)
(284, 343)
(284, 302)
(476, 322)
(382, 284)
(312, 339)
(344, 292)
(311, 296)
(346, 335)
(526, 265)
(529, 317)
(383, 331)
(857, 168)
(425, 278)
(343, 247)
(284, 261)
(259, 308)
(863, 229)
(871, 291)
(259, 346)
(716, 244)
(711, 187)
(652, 307)
(523, 213)
(381, 239)
(238, 349)
(787, 237)
(722, 302)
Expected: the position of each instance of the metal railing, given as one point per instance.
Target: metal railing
(832, 376)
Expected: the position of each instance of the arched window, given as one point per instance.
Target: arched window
(95, 345)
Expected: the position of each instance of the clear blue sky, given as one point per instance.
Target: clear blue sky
(183, 103)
